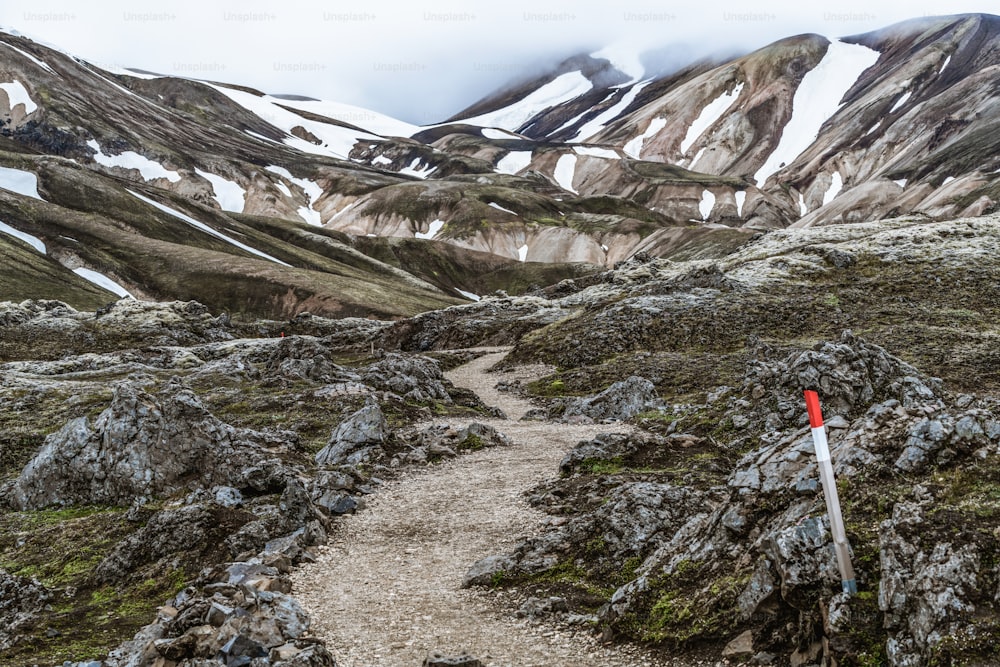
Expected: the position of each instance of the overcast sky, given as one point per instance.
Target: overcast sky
(424, 61)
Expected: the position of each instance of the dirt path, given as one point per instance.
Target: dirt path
(386, 591)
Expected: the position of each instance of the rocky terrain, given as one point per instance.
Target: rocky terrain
(162, 463)
(281, 390)
(127, 182)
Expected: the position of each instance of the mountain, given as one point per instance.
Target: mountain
(173, 188)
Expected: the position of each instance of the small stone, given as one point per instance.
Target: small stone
(740, 647)
(464, 660)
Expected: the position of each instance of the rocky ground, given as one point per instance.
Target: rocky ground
(163, 462)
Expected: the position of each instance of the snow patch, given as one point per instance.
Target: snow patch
(901, 101)
(697, 156)
(203, 227)
(712, 112)
(343, 210)
(901, 182)
(597, 124)
(945, 63)
(33, 241)
(229, 194)
(312, 190)
(381, 159)
(19, 181)
(336, 141)
(416, 170)
(369, 120)
(103, 281)
(148, 169)
(18, 94)
(817, 99)
(284, 189)
(30, 57)
(432, 230)
(501, 208)
(493, 133)
(634, 147)
(558, 91)
(741, 198)
(706, 204)
(803, 209)
(565, 170)
(592, 151)
(948, 180)
(836, 185)
(513, 162)
(522, 253)
(468, 295)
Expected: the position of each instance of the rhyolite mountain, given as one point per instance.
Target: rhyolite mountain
(172, 188)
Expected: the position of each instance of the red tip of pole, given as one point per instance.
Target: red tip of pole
(812, 405)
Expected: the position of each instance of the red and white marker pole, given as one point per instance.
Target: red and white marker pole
(830, 492)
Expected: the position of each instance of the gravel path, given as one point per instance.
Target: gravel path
(386, 589)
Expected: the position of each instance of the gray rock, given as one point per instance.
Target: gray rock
(304, 358)
(170, 531)
(227, 496)
(804, 558)
(415, 378)
(927, 588)
(357, 439)
(535, 607)
(620, 401)
(440, 660)
(20, 601)
(140, 447)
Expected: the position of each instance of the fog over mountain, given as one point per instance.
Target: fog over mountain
(422, 61)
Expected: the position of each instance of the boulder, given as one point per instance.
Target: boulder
(357, 439)
(142, 446)
(618, 402)
(304, 359)
(414, 378)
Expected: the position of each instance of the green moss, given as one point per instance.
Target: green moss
(472, 443)
(611, 466)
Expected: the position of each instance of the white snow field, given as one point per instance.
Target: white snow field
(513, 162)
(498, 207)
(564, 172)
(598, 123)
(33, 241)
(634, 147)
(229, 194)
(432, 230)
(712, 112)
(563, 88)
(103, 281)
(816, 100)
(836, 185)
(205, 228)
(19, 181)
(593, 151)
(311, 188)
(149, 169)
(18, 94)
(706, 204)
(468, 295)
(336, 141)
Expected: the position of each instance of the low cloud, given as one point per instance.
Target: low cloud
(423, 62)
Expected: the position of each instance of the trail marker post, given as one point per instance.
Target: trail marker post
(840, 544)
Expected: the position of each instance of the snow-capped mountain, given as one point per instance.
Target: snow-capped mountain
(591, 162)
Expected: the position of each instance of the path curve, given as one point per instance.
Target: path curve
(385, 592)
